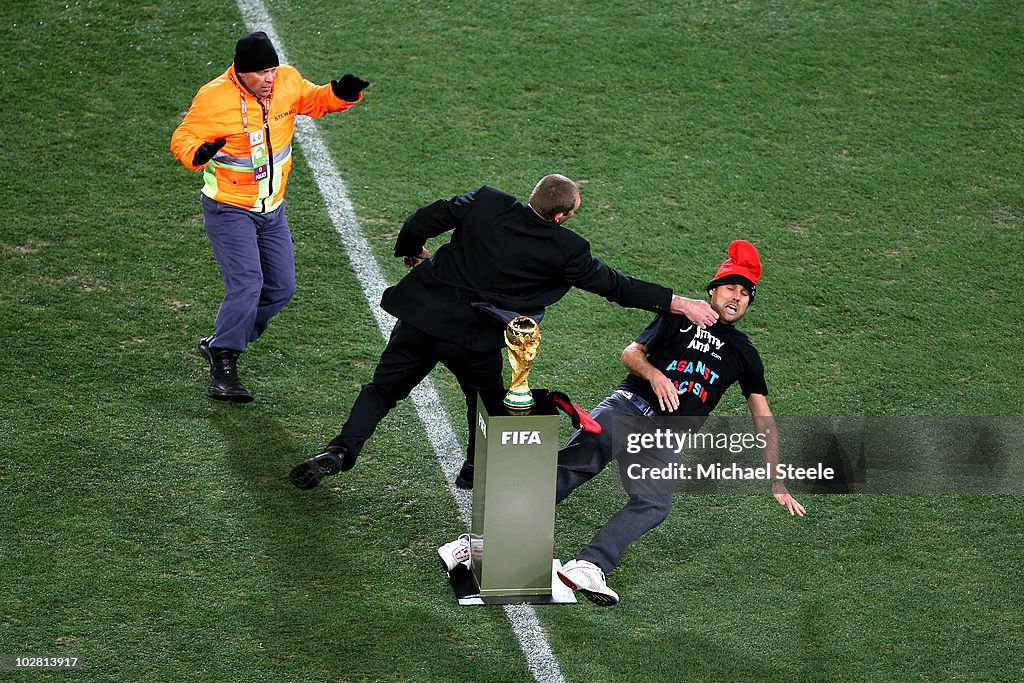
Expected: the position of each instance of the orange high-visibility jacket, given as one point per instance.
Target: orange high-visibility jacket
(216, 112)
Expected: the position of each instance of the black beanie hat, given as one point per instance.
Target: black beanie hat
(255, 52)
(735, 279)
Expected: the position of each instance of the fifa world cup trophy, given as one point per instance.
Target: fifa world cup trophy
(522, 337)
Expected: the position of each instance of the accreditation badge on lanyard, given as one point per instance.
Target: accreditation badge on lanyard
(258, 153)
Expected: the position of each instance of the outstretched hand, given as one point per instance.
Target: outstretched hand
(786, 500)
(698, 312)
(348, 87)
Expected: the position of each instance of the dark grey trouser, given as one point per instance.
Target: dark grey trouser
(584, 456)
(257, 262)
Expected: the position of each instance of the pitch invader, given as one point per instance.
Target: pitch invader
(661, 361)
(721, 357)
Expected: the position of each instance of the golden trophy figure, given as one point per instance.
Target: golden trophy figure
(522, 337)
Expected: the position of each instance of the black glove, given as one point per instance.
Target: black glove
(206, 151)
(349, 87)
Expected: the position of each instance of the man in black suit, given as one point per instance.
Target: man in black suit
(502, 256)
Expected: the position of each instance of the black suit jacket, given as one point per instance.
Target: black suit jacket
(503, 254)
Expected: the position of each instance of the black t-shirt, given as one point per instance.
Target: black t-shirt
(701, 363)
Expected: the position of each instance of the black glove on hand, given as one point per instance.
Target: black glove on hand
(349, 87)
(206, 151)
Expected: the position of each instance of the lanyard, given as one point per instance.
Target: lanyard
(257, 140)
(245, 110)
(243, 105)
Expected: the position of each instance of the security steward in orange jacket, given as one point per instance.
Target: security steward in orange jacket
(239, 131)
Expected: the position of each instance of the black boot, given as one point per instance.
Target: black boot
(224, 383)
(308, 473)
(465, 478)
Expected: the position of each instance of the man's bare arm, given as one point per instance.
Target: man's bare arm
(764, 423)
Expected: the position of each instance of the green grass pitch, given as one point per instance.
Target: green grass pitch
(872, 150)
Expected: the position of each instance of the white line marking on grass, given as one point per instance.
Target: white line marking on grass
(527, 627)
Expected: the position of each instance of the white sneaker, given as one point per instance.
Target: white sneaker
(455, 553)
(587, 578)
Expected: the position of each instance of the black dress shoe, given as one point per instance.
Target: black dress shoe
(308, 473)
(465, 478)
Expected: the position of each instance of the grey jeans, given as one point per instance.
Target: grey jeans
(584, 456)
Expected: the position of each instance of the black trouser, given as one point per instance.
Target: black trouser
(407, 359)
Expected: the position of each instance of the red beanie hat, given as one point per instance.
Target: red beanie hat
(743, 267)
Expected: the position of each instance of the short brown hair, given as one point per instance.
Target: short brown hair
(554, 194)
